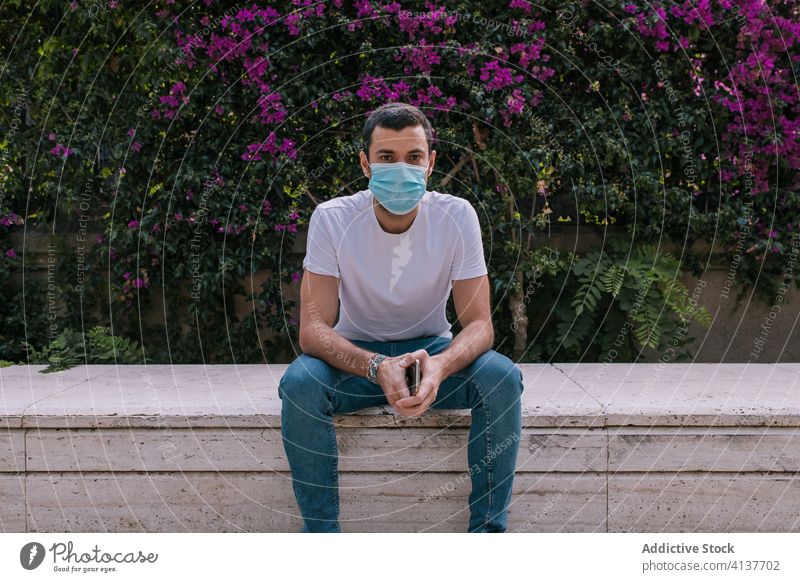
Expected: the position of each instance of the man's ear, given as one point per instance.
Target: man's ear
(364, 164)
(431, 164)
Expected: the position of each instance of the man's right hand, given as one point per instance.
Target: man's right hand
(392, 375)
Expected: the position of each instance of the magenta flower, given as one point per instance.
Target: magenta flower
(11, 254)
(522, 5)
(61, 151)
(133, 224)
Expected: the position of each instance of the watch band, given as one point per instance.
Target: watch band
(372, 370)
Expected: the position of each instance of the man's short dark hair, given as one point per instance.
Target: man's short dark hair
(396, 116)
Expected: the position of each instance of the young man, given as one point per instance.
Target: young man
(385, 259)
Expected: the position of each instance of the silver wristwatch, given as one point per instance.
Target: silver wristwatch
(372, 370)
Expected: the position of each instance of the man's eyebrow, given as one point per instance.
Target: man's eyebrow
(388, 151)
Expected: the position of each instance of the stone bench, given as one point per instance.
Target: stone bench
(619, 447)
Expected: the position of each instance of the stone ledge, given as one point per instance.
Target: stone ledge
(556, 395)
(644, 447)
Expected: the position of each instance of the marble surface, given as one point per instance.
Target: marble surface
(555, 395)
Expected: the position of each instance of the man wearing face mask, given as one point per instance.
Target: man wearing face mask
(385, 261)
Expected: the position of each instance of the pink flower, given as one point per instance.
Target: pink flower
(60, 151)
(133, 224)
(522, 5)
(11, 254)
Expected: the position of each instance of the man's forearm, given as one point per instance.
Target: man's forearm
(324, 343)
(473, 340)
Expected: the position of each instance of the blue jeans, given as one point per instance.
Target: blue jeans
(312, 391)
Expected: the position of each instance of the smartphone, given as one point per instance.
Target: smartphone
(412, 377)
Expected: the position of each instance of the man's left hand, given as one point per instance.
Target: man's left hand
(431, 376)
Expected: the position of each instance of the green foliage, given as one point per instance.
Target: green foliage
(160, 242)
(612, 303)
(70, 348)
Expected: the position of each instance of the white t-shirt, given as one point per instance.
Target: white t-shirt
(394, 287)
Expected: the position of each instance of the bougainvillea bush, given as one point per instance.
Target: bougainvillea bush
(174, 148)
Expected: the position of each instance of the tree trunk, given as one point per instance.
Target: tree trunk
(519, 319)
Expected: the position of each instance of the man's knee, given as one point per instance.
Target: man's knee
(499, 374)
(306, 376)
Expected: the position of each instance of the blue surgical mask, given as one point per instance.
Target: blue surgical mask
(398, 186)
